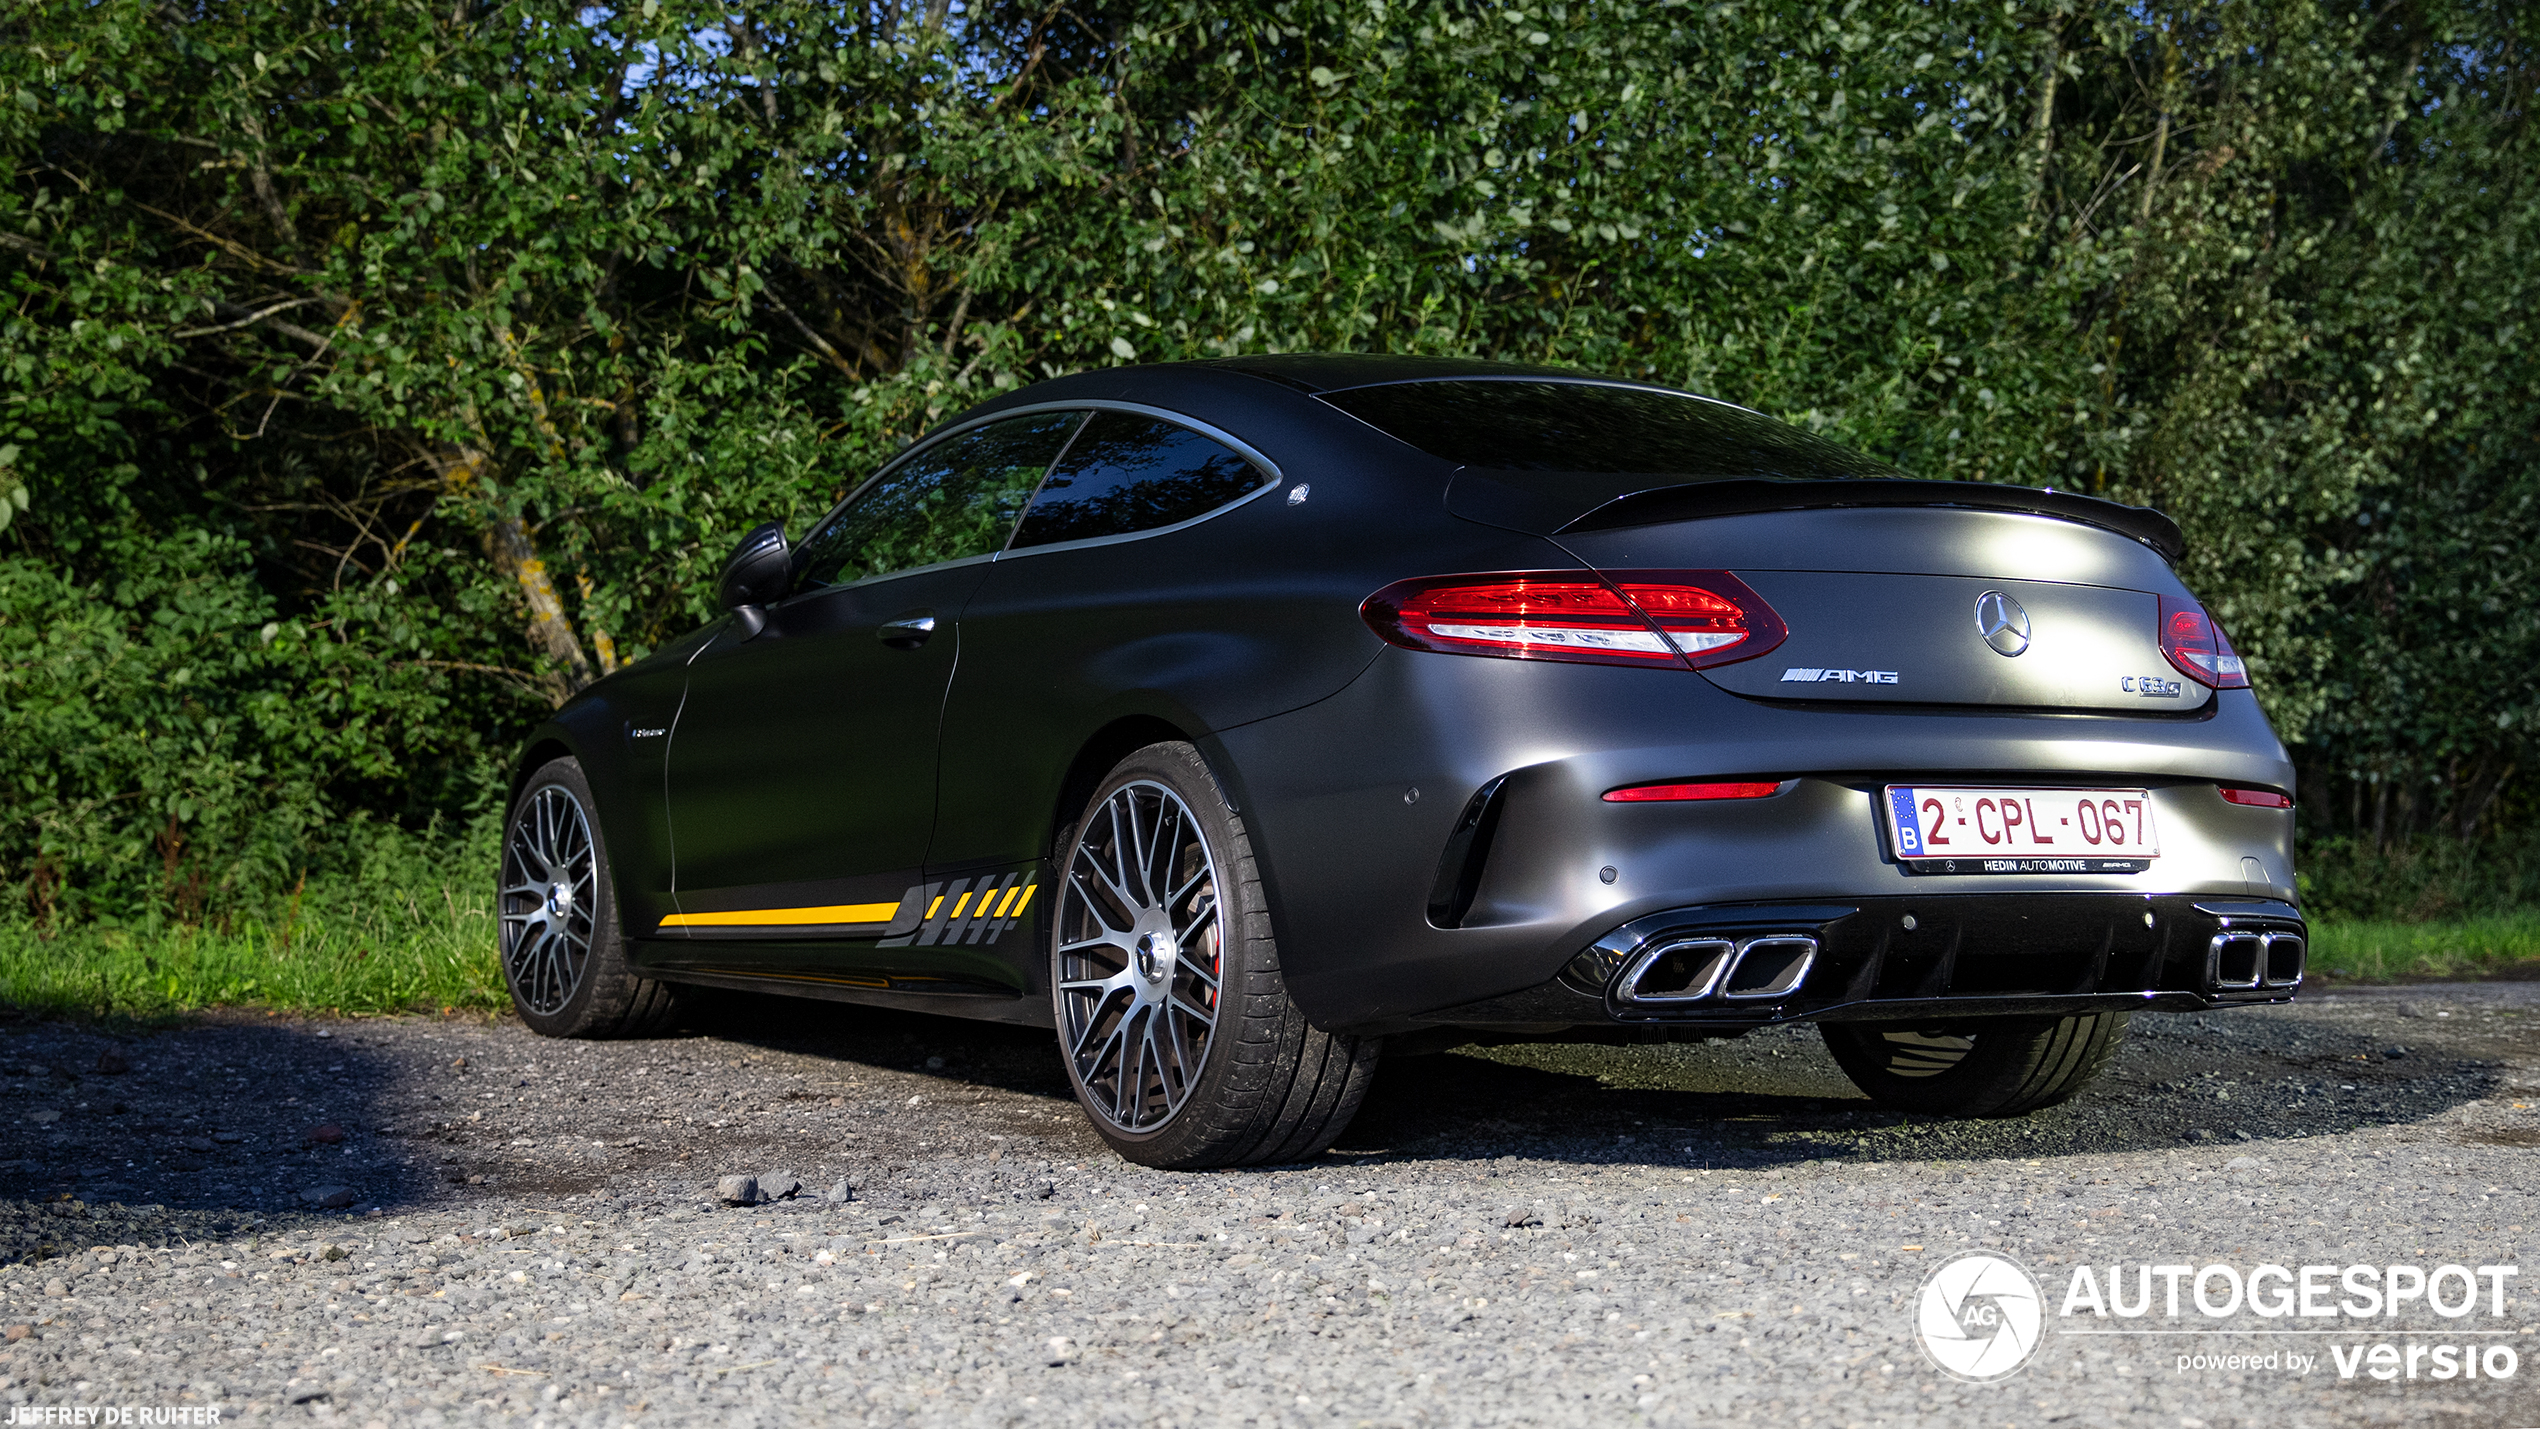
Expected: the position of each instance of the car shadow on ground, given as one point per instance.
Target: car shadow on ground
(1777, 1097)
(227, 1119)
(1011, 1058)
(232, 1117)
(1771, 1097)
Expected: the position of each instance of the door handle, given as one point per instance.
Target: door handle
(908, 631)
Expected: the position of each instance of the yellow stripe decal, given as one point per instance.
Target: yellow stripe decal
(964, 903)
(786, 917)
(1027, 899)
(932, 908)
(1010, 895)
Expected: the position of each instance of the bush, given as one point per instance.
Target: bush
(175, 750)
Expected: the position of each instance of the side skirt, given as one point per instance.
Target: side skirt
(903, 994)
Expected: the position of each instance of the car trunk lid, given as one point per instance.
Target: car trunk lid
(1931, 606)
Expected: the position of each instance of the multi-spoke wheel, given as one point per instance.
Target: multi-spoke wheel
(1991, 1067)
(1173, 1019)
(1140, 956)
(551, 878)
(557, 907)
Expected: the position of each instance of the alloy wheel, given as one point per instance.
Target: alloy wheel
(1140, 956)
(549, 899)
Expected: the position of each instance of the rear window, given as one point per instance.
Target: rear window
(1127, 473)
(1586, 427)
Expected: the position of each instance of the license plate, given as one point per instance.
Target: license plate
(1968, 829)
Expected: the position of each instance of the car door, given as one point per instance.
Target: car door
(801, 768)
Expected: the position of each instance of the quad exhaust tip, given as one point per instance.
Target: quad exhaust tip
(2248, 961)
(1675, 971)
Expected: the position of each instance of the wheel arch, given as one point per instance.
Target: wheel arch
(545, 747)
(1102, 749)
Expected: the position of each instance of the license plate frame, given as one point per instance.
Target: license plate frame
(2079, 839)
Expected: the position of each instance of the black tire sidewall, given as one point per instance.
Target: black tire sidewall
(1997, 1077)
(1187, 1137)
(607, 963)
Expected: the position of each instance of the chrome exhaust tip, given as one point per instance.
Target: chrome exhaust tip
(2286, 957)
(1770, 966)
(1676, 971)
(2236, 960)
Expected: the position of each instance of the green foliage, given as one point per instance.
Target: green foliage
(176, 747)
(404, 923)
(2429, 878)
(458, 343)
(2497, 943)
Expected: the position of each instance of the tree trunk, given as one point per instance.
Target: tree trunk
(2473, 809)
(550, 632)
(515, 554)
(2045, 122)
(2161, 131)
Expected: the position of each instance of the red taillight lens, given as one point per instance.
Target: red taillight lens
(1690, 793)
(2256, 798)
(2198, 647)
(1650, 618)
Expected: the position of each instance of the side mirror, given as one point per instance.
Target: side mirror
(756, 575)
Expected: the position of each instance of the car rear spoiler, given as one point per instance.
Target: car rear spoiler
(1548, 503)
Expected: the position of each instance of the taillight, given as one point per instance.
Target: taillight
(2197, 646)
(1691, 793)
(1662, 618)
(2256, 798)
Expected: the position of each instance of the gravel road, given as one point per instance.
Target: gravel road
(1535, 1235)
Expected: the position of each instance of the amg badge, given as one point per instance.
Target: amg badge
(1800, 674)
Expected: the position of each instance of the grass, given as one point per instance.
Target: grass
(399, 938)
(2359, 951)
(337, 954)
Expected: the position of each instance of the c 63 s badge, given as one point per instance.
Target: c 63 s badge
(2150, 687)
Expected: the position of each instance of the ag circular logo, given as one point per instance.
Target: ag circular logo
(1979, 1318)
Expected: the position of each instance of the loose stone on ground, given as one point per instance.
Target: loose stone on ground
(1533, 1235)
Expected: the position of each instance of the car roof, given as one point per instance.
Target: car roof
(1339, 371)
(1233, 391)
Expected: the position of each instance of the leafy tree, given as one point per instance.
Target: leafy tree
(392, 370)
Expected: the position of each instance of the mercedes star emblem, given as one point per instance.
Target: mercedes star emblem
(2002, 622)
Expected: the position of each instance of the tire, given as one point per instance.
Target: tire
(1173, 1020)
(563, 951)
(1989, 1067)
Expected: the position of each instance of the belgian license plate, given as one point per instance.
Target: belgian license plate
(1985, 829)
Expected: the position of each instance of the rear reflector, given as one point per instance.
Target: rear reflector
(2256, 798)
(2198, 647)
(1650, 618)
(1687, 793)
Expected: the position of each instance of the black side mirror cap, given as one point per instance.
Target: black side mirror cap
(758, 572)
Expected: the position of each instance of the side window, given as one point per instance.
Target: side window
(1128, 473)
(957, 498)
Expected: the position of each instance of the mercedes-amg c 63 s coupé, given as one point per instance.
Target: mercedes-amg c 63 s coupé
(1231, 718)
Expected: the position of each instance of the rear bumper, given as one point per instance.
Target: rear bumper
(1726, 968)
(1390, 911)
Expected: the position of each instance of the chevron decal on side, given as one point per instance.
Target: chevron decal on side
(975, 911)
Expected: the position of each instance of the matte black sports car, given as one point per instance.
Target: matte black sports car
(1234, 717)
